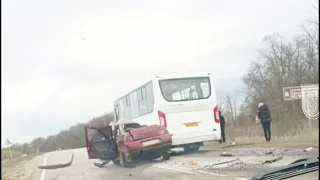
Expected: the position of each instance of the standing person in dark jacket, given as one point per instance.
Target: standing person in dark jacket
(265, 119)
(222, 127)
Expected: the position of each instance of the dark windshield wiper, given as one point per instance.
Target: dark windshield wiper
(299, 167)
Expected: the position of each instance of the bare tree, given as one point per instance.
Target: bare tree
(283, 63)
(231, 103)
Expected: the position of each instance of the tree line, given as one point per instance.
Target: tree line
(72, 138)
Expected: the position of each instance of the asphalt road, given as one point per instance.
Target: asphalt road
(180, 167)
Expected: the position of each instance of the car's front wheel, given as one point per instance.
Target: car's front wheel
(166, 156)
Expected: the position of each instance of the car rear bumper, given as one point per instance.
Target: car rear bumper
(137, 145)
(155, 150)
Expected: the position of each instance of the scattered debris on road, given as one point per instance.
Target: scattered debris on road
(224, 154)
(272, 160)
(192, 163)
(269, 152)
(224, 162)
(308, 149)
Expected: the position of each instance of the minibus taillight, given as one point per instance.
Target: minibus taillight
(216, 114)
(162, 119)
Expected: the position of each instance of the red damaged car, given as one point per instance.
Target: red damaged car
(128, 141)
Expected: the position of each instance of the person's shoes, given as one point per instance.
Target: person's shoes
(98, 164)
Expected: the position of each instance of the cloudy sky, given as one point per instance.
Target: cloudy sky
(65, 62)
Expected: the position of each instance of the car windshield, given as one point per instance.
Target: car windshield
(185, 89)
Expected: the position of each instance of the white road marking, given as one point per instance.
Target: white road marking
(43, 173)
(241, 178)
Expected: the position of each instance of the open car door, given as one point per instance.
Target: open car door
(100, 143)
(92, 154)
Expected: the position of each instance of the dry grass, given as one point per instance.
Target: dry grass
(288, 135)
(19, 167)
(5, 154)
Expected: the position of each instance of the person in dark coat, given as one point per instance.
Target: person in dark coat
(265, 119)
(222, 127)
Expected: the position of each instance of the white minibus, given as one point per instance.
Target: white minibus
(185, 103)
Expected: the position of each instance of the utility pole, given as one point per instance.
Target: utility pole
(8, 143)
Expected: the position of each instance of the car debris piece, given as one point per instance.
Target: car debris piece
(269, 152)
(193, 163)
(224, 154)
(224, 162)
(237, 163)
(272, 160)
(308, 149)
(57, 166)
(283, 152)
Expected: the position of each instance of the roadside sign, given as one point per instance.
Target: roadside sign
(298, 92)
(8, 143)
(292, 93)
(310, 91)
(309, 95)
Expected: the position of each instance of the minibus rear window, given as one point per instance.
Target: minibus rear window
(185, 89)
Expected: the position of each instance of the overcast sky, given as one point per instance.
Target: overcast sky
(65, 61)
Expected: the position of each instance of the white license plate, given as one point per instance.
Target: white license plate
(151, 142)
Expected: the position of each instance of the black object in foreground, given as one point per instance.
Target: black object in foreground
(299, 167)
(57, 166)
